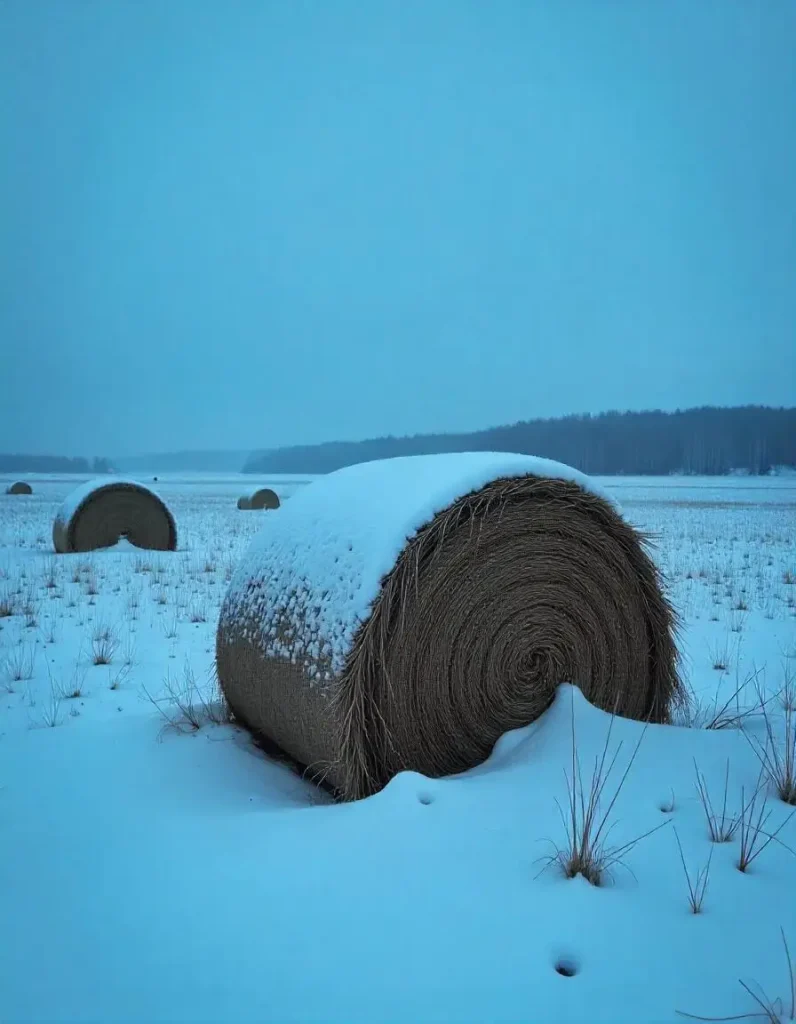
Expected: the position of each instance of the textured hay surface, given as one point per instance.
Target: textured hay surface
(244, 503)
(100, 513)
(264, 498)
(519, 586)
(20, 487)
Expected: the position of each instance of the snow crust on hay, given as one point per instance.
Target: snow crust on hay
(327, 551)
(82, 492)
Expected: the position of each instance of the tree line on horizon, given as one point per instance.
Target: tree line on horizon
(701, 441)
(706, 441)
(53, 464)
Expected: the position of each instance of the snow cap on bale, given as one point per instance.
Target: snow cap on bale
(405, 613)
(98, 513)
(20, 487)
(264, 498)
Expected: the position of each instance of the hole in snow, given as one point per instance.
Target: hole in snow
(566, 967)
(425, 798)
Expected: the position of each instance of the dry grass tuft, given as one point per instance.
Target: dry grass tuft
(697, 887)
(72, 688)
(722, 827)
(8, 605)
(732, 714)
(753, 818)
(19, 665)
(586, 851)
(185, 707)
(720, 656)
(104, 644)
(777, 755)
(771, 1010)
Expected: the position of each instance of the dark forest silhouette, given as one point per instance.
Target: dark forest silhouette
(52, 464)
(703, 441)
(706, 441)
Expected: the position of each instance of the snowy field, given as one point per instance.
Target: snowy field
(151, 870)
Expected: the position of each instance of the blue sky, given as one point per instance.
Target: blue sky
(246, 224)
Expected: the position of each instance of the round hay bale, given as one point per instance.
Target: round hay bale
(404, 614)
(100, 512)
(244, 503)
(265, 498)
(20, 487)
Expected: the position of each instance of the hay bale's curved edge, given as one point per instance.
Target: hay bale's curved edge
(74, 501)
(312, 609)
(264, 498)
(403, 495)
(19, 487)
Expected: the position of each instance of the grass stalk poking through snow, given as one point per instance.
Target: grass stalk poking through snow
(753, 817)
(787, 694)
(7, 604)
(722, 827)
(104, 644)
(51, 712)
(720, 657)
(587, 825)
(71, 689)
(697, 887)
(777, 754)
(771, 1010)
(129, 651)
(185, 707)
(698, 714)
(19, 665)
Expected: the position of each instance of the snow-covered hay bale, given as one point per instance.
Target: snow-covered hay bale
(404, 614)
(244, 502)
(20, 487)
(100, 512)
(265, 498)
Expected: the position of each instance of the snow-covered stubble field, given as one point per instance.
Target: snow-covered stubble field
(151, 870)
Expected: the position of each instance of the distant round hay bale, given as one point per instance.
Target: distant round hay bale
(99, 513)
(20, 487)
(244, 502)
(264, 498)
(404, 614)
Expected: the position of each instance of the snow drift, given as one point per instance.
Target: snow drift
(98, 513)
(405, 613)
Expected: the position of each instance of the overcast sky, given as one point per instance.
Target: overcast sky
(229, 224)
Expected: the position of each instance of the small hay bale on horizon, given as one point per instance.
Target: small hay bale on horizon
(265, 498)
(100, 512)
(19, 487)
(406, 613)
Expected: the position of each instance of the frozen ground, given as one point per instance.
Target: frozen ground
(157, 873)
